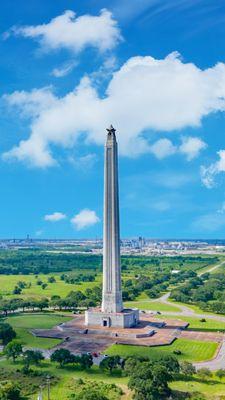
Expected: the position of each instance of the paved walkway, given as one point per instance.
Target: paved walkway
(185, 310)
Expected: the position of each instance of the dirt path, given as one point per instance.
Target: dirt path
(212, 268)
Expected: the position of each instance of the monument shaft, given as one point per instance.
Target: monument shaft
(111, 314)
(112, 294)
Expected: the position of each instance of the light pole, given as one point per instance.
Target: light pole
(40, 396)
(48, 385)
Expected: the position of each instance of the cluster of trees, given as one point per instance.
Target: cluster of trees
(166, 264)
(149, 378)
(153, 285)
(94, 390)
(208, 291)
(14, 349)
(75, 299)
(12, 305)
(65, 357)
(23, 285)
(20, 286)
(77, 278)
(9, 391)
(34, 262)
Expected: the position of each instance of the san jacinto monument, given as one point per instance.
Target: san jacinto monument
(112, 313)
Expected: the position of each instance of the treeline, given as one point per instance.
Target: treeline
(77, 278)
(153, 285)
(75, 299)
(148, 379)
(207, 291)
(35, 262)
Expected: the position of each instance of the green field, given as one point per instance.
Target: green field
(67, 375)
(24, 323)
(211, 388)
(195, 324)
(8, 282)
(192, 350)
(152, 305)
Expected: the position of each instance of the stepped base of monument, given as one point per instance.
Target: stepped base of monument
(127, 318)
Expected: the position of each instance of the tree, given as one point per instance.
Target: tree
(32, 357)
(9, 391)
(220, 373)
(7, 333)
(160, 382)
(17, 290)
(150, 382)
(62, 356)
(86, 361)
(204, 373)
(51, 279)
(44, 285)
(42, 303)
(187, 368)
(85, 394)
(131, 363)
(110, 363)
(13, 349)
(170, 363)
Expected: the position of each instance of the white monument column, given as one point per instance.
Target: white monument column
(112, 294)
(111, 314)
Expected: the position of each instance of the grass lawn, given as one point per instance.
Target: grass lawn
(211, 388)
(68, 376)
(8, 282)
(152, 305)
(195, 324)
(24, 322)
(192, 350)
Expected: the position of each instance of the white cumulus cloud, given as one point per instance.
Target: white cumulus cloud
(163, 148)
(84, 219)
(208, 174)
(191, 147)
(145, 94)
(55, 217)
(67, 31)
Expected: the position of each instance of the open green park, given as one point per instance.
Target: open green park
(59, 287)
(69, 272)
(191, 350)
(23, 324)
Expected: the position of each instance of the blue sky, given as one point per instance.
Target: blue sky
(153, 68)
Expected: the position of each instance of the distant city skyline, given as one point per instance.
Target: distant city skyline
(156, 71)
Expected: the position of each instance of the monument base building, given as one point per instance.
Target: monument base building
(127, 318)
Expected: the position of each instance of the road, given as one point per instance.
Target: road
(212, 268)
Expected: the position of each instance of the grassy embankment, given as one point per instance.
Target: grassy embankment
(191, 350)
(24, 323)
(68, 376)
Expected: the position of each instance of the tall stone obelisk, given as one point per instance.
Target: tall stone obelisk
(112, 294)
(111, 314)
